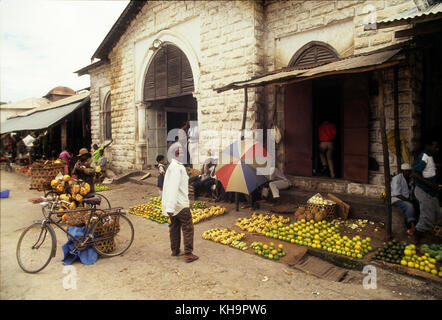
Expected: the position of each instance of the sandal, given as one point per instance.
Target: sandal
(190, 258)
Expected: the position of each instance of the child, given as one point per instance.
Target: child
(162, 172)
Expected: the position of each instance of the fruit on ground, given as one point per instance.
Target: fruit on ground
(268, 251)
(320, 235)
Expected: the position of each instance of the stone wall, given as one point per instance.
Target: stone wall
(100, 86)
(238, 40)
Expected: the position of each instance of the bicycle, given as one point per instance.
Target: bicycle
(102, 226)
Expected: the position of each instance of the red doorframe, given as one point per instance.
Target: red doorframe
(298, 128)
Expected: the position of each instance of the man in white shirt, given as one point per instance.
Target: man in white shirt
(277, 182)
(175, 204)
(400, 196)
(193, 143)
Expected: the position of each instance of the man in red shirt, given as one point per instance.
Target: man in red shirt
(327, 132)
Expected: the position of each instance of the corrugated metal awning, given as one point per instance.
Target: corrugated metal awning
(412, 15)
(40, 119)
(352, 64)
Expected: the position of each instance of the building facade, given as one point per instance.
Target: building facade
(162, 64)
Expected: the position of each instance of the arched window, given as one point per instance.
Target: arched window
(169, 75)
(313, 54)
(107, 119)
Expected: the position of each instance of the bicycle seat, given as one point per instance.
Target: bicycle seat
(95, 200)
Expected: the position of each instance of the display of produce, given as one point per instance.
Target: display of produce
(199, 205)
(224, 236)
(392, 252)
(239, 245)
(100, 187)
(320, 235)
(150, 210)
(434, 250)
(203, 214)
(424, 263)
(269, 251)
(258, 222)
(69, 190)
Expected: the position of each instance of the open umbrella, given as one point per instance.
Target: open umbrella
(252, 153)
(239, 177)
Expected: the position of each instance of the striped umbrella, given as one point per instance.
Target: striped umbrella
(252, 153)
(239, 177)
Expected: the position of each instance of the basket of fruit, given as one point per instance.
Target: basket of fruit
(318, 208)
(42, 173)
(437, 229)
(74, 218)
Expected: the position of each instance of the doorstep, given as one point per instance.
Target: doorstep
(361, 207)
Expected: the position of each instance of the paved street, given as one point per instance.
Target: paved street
(147, 271)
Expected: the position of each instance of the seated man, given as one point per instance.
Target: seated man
(401, 196)
(207, 179)
(427, 188)
(277, 181)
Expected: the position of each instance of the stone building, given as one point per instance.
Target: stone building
(164, 62)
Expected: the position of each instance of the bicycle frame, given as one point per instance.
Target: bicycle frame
(87, 237)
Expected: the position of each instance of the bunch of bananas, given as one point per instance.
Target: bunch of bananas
(150, 210)
(224, 236)
(199, 205)
(203, 214)
(239, 245)
(258, 222)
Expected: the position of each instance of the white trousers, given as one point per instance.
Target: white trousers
(193, 152)
(275, 186)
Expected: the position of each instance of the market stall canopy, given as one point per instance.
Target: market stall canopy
(353, 64)
(45, 117)
(413, 15)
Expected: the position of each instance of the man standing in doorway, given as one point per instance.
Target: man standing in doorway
(427, 188)
(175, 204)
(327, 132)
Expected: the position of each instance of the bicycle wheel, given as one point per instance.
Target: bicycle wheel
(113, 234)
(105, 203)
(36, 247)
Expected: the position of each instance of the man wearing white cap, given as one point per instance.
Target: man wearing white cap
(401, 196)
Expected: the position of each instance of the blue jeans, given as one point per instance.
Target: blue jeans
(407, 209)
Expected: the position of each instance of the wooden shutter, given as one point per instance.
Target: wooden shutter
(160, 64)
(173, 71)
(355, 127)
(149, 85)
(314, 55)
(169, 75)
(186, 76)
(298, 128)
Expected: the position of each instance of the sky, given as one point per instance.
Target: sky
(42, 43)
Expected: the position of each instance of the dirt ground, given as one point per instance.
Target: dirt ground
(147, 271)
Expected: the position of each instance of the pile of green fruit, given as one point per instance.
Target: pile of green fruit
(150, 210)
(268, 251)
(100, 187)
(434, 250)
(199, 205)
(392, 252)
(239, 245)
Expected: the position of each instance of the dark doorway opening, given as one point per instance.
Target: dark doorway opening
(326, 106)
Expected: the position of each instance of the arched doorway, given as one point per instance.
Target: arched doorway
(168, 90)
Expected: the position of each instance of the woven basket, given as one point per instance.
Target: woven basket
(108, 227)
(106, 246)
(437, 229)
(42, 174)
(76, 219)
(330, 209)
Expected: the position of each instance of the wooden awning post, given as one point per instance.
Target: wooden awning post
(385, 153)
(243, 127)
(397, 142)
